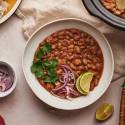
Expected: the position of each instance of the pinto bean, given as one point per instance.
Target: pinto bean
(73, 66)
(49, 39)
(92, 86)
(59, 71)
(98, 66)
(76, 37)
(71, 46)
(70, 57)
(81, 68)
(96, 82)
(77, 49)
(59, 45)
(77, 62)
(85, 61)
(49, 86)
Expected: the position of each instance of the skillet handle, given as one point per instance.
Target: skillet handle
(122, 109)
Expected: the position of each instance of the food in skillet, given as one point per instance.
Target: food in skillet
(68, 63)
(117, 7)
(6, 6)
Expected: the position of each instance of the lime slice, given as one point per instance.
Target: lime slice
(104, 112)
(85, 81)
(78, 86)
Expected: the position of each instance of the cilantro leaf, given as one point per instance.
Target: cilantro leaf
(33, 68)
(44, 50)
(50, 64)
(54, 79)
(39, 74)
(53, 63)
(47, 48)
(123, 85)
(47, 79)
(51, 72)
(46, 63)
(36, 66)
(40, 53)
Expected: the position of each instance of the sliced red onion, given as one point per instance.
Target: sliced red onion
(68, 92)
(62, 91)
(70, 85)
(3, 74)
(61, 79)
(64, 81)
(57, 89)
(56, 95)
(67, 87)
(74, 92)
(8, 82)
(5, 79)
(71, 73)
(2, 87)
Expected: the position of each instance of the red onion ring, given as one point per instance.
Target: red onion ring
(68, 92)
(57, 89)
(71, 74)
(73, 92)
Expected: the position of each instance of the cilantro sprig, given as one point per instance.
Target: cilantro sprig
(44, 50)
(123, 85)
(45, 69)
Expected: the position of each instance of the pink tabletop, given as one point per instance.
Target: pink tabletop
(23, 108)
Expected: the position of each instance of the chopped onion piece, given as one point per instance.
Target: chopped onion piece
(2, 87)
(5, 79)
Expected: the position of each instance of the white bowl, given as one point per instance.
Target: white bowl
(9, 14)
(43, 94)
(12, 72)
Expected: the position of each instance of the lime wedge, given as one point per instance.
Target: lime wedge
(104, 112)
(85, 81)
(78, 86)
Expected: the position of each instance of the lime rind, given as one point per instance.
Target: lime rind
(104, 112)
(78, 86)
(83, 82)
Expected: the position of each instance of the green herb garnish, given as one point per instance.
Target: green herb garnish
(36, 66)
(123, 85)
(39, 74)
(50, 64)
(47, 48)
(46, 69)
(44, 50)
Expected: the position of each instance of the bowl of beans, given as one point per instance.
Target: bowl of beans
(68, 64)
(111, 11)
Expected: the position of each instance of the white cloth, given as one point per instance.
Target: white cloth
(36, 13)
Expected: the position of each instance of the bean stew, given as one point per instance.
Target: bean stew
(68, 63)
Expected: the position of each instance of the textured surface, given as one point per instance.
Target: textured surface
(23, 108)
